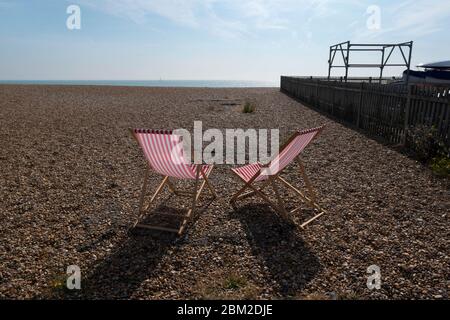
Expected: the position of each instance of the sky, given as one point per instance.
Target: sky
(208, 39)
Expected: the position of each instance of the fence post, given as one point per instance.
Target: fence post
(361, 89)
(317, 94)
(407, 112)
(333, 98)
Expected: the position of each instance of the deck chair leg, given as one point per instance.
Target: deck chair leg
(308, 183)
(157, 192)
(208, 184)
(248, 185)
(312, 219)
(210, 188)
(172, 187)
(252, 193)
(282, 210)
(195, 197)
(302, 196)
(141, 201)
(265, 198)
(306, 199)
(235, 197)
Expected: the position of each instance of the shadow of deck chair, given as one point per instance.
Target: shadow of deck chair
(164, 153)
(265, 175)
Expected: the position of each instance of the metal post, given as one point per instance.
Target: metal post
(409, 61)
(330, 63)
(347, 60)
(382, 64)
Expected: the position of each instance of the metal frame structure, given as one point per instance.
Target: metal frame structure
(386, 50)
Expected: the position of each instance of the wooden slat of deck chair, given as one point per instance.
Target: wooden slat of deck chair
(164, 154)
(269, 175)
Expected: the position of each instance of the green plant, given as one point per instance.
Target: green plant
(426, 143)
(315, 297)
(58, 282)
(226, 286)
(248, 107)
(58, 287)
(235, 282)
(348, 295)
(441, 166)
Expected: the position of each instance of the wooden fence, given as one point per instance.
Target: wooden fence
(383, 110)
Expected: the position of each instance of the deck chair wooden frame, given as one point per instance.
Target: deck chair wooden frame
(309, 196)
(201, 180)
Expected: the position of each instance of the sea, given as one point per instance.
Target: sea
(151, 83)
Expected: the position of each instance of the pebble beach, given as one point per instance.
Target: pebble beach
(70, 179)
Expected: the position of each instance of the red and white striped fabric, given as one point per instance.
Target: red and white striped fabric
(247, 172)
(164, 152)
(284, 158)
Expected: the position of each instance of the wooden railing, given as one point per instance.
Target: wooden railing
(384, 80)
(387, 111)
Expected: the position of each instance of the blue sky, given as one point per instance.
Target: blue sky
(205, 39)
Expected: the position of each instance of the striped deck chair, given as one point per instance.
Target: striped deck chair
(164, 153)
(269, 174)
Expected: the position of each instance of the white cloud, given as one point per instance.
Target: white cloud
(243, 18)
(229, 18)
(178, 11)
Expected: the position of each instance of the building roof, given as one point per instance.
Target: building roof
(436, 65)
